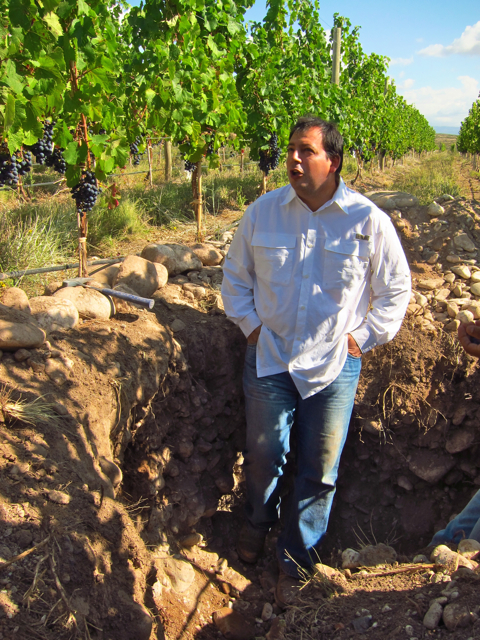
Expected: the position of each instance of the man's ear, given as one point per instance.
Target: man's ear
(335, 164)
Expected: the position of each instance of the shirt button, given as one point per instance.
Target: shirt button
(297, 338)
(306, 275)
(302, 307)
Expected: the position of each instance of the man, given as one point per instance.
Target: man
(467, 523)
(304, 266)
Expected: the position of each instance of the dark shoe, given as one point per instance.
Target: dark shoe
(250, 543)
(287, 590)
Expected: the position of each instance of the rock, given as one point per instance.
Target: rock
(475, 277)
(465, 317)
(390, 200)
(124, 306)
(475, 289)
(453, 258)
(185, 259)
(198, 291)
(430, 284)
(21, 355)
(373, 555)
(138, 274)
(191, 540)
(459, 414)
(433, 259)
(421, 299)
(162, 274)
(161, 254)
(208, 254)
(445, 557)
(442, 295)
(53, 313)
(60, 497)
(445, 198)
(362, 624)
(452, 326)
(174, 574)
(140, 621)
(452, 309)
(350, 559)
(449, 277)
(459, 441)
(474, 307)
(435, 210)
(89, 302)
(405, 483)
(462, 271)
(51, 287)
(267, 611)
(372, 426)
(430, 465)
(323, 571)
(457, 290)
(420, 559)
(277, 630)
(56, 371)
(111, 470)
(456, 616)
(16, 298)
(463, 242)
(233, 625)
(105, 277)
(24, 538)
(468, 546)
(433, 616)
(19, 330)
(177, 325)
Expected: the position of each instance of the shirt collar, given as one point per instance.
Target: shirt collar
(340, 198)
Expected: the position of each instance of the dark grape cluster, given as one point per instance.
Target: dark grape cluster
(56, 161)
(134, 151)
(269, 159)
(189, 166)
(85, 193)
(8, 169)
(210, 150)
(42, 149)
(24, 165)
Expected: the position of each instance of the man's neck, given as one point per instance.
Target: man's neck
(317, 200)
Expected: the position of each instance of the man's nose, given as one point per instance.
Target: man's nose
(295, 156)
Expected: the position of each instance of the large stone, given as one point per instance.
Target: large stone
(185, 259)
(429, 465)
(106, 276)
(390, 200)
(19, 330)
(475, 277)
(161, 254)
(208, 254)
(456, 616)
(16, 298)
(463, 271)
(463, 242)
(138, 274)
(465, 317)
(433, 616)
(475, 289)
(54, 313)
(89, 302)
(443, 556)
(430, 284)
(435, 210)
(162, 274)
(373, 555)
(233, 625)
(174, 574)
(124, 306)
(198, 291)
(459, 440)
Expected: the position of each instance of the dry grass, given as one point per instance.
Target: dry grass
(28, 412)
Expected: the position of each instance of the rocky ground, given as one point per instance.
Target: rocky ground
(121, 467)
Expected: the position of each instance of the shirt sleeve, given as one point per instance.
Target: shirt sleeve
(239, 278)
(390, 290)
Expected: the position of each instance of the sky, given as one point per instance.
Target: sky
(433, 46)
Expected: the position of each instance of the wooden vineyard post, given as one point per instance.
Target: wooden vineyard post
(150, 161)
(264, 184)
(82, 244)
(337, 45)
(168, 160)
(198, 199)
(242, 156)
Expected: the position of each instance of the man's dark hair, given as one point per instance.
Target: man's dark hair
(331, 137)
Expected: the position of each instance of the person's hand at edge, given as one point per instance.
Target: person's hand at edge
(353, 348)
(253, 337)
(467, 335)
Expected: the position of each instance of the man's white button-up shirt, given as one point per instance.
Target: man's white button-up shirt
(312, 277)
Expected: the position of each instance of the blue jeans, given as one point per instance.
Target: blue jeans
(465, 525)
(272, 405)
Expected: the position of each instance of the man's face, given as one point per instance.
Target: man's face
(310, 170)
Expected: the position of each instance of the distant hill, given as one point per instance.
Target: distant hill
(452, 130)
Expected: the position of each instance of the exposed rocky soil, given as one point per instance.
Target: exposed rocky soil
(129, 493)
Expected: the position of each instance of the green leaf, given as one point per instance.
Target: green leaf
(9, 116)
(53, 24)
(73, 175)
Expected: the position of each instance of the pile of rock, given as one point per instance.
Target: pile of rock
(444, 236)
(26, 323)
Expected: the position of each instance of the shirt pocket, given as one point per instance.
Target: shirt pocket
(274, 255)
(346, 262)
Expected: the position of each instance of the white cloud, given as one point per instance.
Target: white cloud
(401, 61)
(446, 106)
(408, 84)
(468, 44)
(419, 40)
(401, 74)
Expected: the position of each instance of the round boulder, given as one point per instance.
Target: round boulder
(160, 254)
(16, 299)
(53, 313)
(138, 274)
(208, 254)
(89, 303)
(162, 274)
(18, 330)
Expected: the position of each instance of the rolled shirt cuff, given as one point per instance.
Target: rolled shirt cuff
(249, 323)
